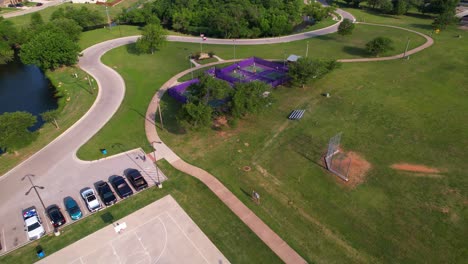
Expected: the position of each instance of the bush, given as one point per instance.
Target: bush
(379, 45)
(346, 27)
(211, 54)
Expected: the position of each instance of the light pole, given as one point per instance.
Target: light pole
(284, 61)
(190, 61)
(406, 49)
(307, 50)
(108, 18)
(159, 184)
(35, 187)
(234, 42)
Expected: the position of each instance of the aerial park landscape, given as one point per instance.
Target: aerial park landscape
(399, 114)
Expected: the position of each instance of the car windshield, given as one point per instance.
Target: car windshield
(139, 181)
(33, 226)
(74, 209)
(90, 198)
(108, 195)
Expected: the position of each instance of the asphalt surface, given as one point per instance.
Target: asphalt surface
(33, 9)
(56, 166)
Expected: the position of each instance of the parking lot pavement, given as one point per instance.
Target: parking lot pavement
(159, 233)
(57, 186)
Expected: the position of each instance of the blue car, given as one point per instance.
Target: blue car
(72, 208)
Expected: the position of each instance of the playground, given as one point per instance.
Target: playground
(253, 69)
(248, 70)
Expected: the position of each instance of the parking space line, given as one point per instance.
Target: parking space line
(85, 210)
(46, 219)
(4, 240)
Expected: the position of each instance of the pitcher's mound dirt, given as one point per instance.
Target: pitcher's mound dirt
(414, 168)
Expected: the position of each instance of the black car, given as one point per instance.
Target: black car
(121, 186)
(106, 194)
(56, 217)
(136, 180)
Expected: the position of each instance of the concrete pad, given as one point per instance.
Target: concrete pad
(159, 233)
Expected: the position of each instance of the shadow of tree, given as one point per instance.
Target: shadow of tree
(356, 51)
(132, 49)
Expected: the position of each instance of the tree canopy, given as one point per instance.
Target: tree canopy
(250, 98)
(8, 40)
(50, 50)
(14, 133)
(306, 69)
(346, 27)
(152, 37)
(379, 45)
(84, 17)
(225, 19)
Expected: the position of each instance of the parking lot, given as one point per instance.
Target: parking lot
(159, 233)
(79, 175)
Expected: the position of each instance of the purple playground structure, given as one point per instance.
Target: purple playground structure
(248, 70)
(252, 69)
(178, 92)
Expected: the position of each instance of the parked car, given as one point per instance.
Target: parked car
(72, 208)
(33, 224)
(56, 217)
(39, 4)
(121, 187)
(107, 195)
(11, 5)
(19, 5)
(91, 200)
(136, 179)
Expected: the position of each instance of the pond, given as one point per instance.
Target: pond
(25, 88)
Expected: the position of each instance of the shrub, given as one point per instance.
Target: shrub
(379, 45)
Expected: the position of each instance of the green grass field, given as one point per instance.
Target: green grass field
(225, 230)
(411, 111)
(144, 74)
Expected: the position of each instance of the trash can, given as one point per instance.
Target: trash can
(104, 151)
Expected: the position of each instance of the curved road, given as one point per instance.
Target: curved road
(56, 166)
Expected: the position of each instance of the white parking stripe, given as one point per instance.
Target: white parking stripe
(47, 221)
(84, 209)
(4, 240)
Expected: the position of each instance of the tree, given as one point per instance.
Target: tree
(152, 37)
(379, 45)
(14, 133)
(51, 117)
(193, 116)
(249, 98)
(443, 20)
(68, 26)
(346, 27)
(316, 11)
(400, 7)
(8, 40)
(36, 21)
(50, 50)
(208, 89)
(85, 17)
(306, 69)
(6, 52)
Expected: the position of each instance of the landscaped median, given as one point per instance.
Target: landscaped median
(223, 228)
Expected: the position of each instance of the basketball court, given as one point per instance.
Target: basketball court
(159, 233)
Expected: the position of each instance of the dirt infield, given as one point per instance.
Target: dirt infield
(358, 167)
(414, 168)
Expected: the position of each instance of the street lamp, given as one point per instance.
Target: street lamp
(190, 61)
(234, 41)
(307, 50)
(35, 187)
(159, 184)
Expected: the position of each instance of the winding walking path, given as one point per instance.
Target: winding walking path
(59, 157)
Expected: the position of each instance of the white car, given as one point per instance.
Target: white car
(33, 224)
(89, 196)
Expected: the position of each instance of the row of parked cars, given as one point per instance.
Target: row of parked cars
(33, 222)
